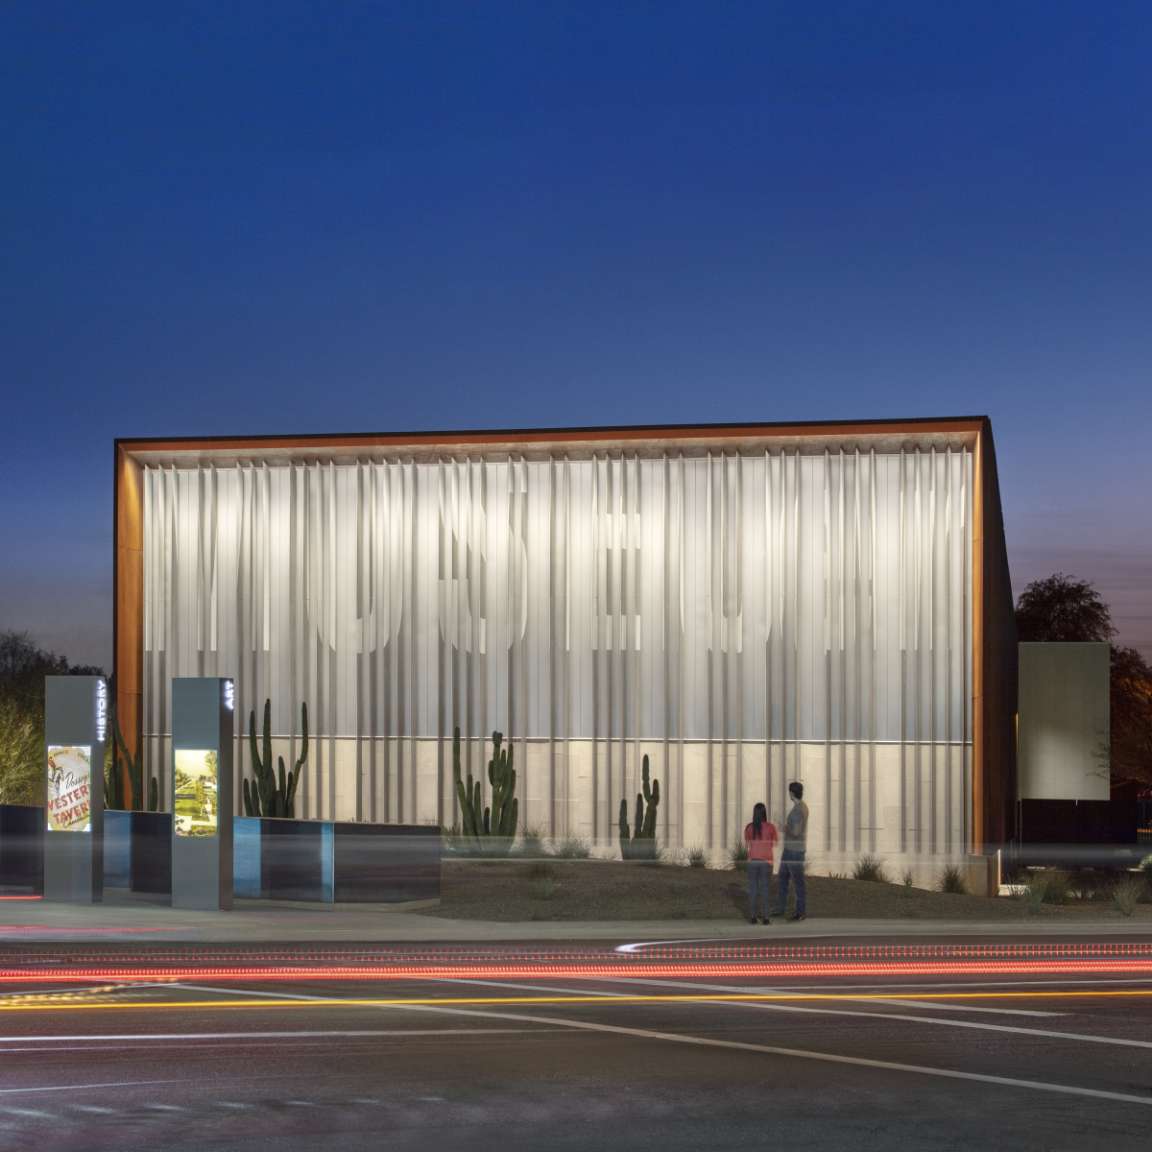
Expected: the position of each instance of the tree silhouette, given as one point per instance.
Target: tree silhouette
(23, 667)
(1062, 609)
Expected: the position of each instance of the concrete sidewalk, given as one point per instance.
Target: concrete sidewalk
(253, 922)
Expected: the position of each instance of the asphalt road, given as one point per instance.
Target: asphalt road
(900, 1060)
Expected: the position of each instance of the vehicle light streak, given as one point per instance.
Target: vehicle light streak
(765, 969)
(592, 998)
(226, 956)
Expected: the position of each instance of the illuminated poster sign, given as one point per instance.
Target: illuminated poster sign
(69, 781)
(195, 807)
(101, 710)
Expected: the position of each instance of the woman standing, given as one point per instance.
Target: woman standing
(760, 837)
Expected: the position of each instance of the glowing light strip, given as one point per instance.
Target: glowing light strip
(443, 955)
(614, 1000)
(372, 973)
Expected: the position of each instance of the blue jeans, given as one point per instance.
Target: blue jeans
(759, 885)
(792, 869)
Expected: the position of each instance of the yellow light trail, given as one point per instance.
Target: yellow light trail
(610, 999)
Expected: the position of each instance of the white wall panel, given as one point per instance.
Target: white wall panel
(743, 602)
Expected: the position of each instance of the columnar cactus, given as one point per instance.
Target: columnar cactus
(500, 819)
(272, 792)
(467, 794)
(641, 845)
(488, 830)
(113, 782)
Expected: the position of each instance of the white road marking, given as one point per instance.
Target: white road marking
(976, 1025)
(941, 1006)
(929, 1005)
(922, 986)
(919, 986)
(932, 985)
(553, 988)
(247, 992)
(952, 929)
(29, 1112)
(348, 1033)
(796, 1008)
(760, 937)
(83, 1087)
(69, 1048)
(719, 941)
(934, 1006)
(95, 1109)
(799, 1054)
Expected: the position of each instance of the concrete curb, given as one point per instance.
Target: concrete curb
(251, 922)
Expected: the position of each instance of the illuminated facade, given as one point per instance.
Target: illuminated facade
(746, 604)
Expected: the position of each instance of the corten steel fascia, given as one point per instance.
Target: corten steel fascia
(962, 425)
(978, 611)
(994, 659)
(128, 597)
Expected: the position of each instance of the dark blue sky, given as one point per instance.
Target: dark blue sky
(226, 218)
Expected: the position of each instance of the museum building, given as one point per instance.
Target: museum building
(745, 604)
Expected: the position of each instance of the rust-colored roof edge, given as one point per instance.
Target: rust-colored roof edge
(475, 437)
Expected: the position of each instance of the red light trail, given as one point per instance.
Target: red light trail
(759, 961)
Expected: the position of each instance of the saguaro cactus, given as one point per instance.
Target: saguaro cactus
(272, 792)
(642, 844)
(488, 830)
(113, 782)
(501, 818)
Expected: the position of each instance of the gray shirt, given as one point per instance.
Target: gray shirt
(796, 828)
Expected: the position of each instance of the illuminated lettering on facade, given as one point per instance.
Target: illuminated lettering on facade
(101, 710)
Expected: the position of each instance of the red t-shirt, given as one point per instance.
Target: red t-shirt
(761, 849)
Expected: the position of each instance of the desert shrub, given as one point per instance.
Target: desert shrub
(1126, 894)
(540, 870)
(1090, 884)
(870, 868)
(1058, 883)
(657, 854)
(1048, 887)
(907, 877)
(738, 855)
(1033, 897)
(952, 881)
(453, 843)
(573, 848)
(697, 858)
(532, 844)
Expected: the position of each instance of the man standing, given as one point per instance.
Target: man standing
(792, 858)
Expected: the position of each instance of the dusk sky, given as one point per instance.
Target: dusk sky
(224, 218)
